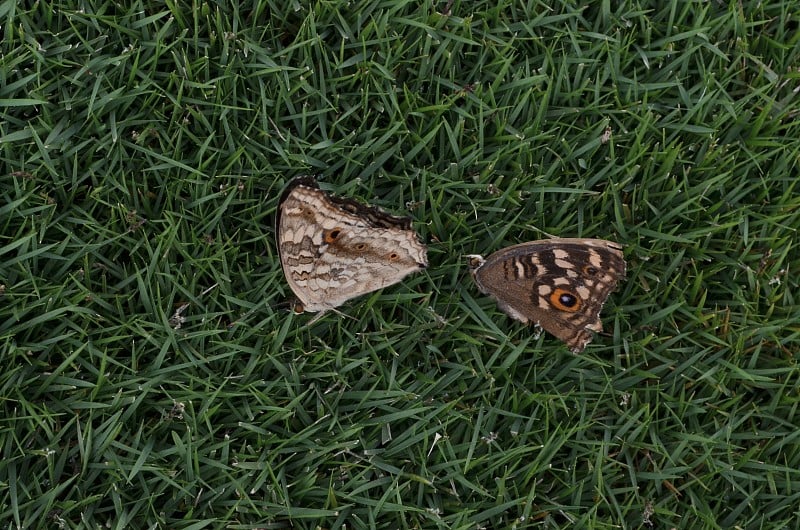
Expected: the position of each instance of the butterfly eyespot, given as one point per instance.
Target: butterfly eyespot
(332, 235)
(590, 270)
(360, 246)
(565, 300)
(394, 256)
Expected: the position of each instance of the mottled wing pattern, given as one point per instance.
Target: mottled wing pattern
(334, 249)
(559, 284)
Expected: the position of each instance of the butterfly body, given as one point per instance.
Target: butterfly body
(334, 249)
(558, 284)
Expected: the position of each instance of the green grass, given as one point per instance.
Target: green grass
(151, 375)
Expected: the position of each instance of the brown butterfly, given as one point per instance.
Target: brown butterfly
(558, 284)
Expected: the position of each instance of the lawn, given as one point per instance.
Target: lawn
(152, 374)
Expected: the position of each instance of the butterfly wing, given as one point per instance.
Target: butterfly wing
(558, 284)
(334, 249)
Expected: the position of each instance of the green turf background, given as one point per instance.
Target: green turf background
(152, 377)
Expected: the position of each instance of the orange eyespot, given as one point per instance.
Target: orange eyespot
(332, 235)
(360, 246)
(564, 300)
(393, 256)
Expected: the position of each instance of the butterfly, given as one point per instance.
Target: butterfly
(559, 284)
(333, 249)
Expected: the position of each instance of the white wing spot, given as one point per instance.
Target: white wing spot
(595, 259)
(520, 269)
